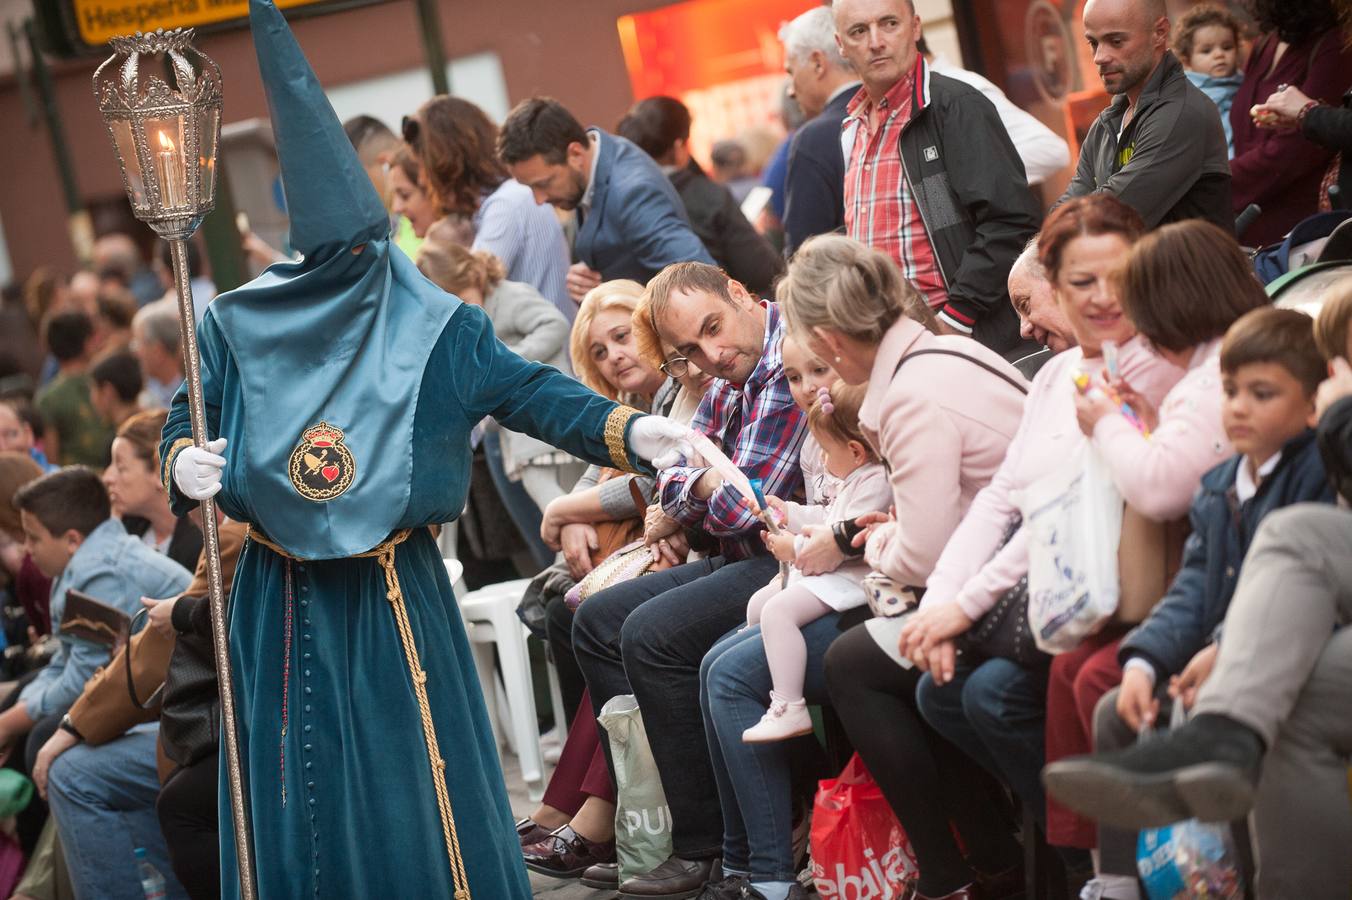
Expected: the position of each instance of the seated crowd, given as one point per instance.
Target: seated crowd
(928, 353)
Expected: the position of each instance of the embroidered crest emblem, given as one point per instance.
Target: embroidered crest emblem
(931, 154)
(321, 468)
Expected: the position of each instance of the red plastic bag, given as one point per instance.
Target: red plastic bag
(859, 851)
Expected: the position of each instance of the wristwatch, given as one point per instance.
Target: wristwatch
(844, 533)
(69, 728)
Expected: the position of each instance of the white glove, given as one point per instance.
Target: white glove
(197, 471)
(660, 440)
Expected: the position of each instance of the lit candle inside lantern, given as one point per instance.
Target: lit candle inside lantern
(170, 172)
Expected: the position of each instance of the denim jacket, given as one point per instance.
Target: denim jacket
(118, 569)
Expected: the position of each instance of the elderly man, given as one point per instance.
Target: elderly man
(822, 82)
(117, 260)
(932, 178)
(1040, 317)
(647, 637)
(630, 222)
(1159, 146)
(155, 341)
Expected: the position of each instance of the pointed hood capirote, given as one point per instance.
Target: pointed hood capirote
(329, 197)
(330, 349)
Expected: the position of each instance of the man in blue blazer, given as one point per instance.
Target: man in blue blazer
(630, 221)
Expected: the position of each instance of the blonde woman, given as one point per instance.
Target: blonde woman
(615, 353)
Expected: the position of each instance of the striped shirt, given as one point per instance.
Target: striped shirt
(528, 239)
(761, 429)
(879, 208)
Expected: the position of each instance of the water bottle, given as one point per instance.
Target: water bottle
(152, 882)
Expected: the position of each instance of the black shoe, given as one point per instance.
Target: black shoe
(1206, 770)
(749, 892)
(729, 888)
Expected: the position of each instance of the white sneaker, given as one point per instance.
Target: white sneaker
(784, 719)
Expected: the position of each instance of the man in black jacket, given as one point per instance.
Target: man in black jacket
(660, 126)
(932, 178)
(1159, 147)
(822, 82)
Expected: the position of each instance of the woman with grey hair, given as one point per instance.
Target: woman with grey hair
(851, 306)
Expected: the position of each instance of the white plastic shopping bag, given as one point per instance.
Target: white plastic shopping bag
(642, 819)
(1074, 522)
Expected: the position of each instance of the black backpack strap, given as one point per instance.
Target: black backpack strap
(1018, 386)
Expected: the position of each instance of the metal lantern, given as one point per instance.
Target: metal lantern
(166, 136)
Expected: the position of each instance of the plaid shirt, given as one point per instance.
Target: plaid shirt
(761, 430)
(879, 208)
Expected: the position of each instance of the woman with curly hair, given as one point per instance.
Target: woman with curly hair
(1281, 170)
(456, 143)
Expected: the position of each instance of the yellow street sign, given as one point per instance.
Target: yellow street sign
(99, 20)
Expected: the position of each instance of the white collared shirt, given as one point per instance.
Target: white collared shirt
(1245, 485)
(595, 137)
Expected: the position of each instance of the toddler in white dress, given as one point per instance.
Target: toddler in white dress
(856, 484)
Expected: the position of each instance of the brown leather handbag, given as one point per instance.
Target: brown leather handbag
(1149, 555)
(611, 536)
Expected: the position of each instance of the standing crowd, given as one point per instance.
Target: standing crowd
(898, 357)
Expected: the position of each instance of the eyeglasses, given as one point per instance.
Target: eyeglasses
(411, 129)
(676, 368)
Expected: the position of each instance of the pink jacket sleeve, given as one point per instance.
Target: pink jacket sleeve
(1159, 475)
(924, 447)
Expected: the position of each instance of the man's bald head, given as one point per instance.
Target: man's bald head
(1129, 38)
(1144, 12)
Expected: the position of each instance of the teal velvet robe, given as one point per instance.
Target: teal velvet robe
(343, 805)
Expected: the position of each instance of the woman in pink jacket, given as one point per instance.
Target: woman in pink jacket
(1183, 285)
(940, 411)
(994, 709)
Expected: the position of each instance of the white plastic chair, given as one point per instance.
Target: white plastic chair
(491, 622)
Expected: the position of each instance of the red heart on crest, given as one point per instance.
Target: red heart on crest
(330, 473)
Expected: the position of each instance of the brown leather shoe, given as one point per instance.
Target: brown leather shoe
(528, 832)
(566, 854)
(603, 876)
(674, 879)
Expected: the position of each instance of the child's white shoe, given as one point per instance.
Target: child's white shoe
(784, 719)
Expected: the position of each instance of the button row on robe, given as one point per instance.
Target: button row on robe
(309, 748)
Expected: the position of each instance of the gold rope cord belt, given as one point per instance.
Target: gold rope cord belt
(385, 554)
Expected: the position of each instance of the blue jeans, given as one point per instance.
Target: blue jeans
(647, 637)
(754, 783)
(996, 712)
(103, 799)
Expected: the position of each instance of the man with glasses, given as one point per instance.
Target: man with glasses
(648, 636)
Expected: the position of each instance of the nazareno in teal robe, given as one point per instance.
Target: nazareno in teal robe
(343, 804)
(346, 385)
